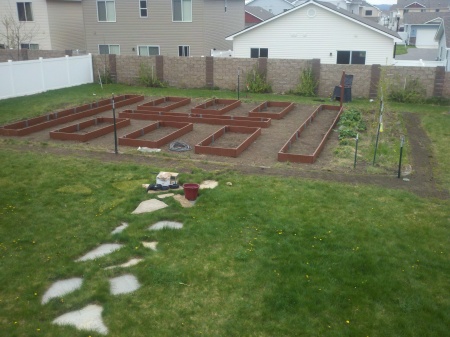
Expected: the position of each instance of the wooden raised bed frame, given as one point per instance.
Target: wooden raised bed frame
(70, 132)
(196, 118)
(204, 148)
(131, 138)
(153, 105)
(258, 111)
(230, 104)
(43, 122)
(309, 159)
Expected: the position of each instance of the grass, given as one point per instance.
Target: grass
(262, 257)
(401, 49)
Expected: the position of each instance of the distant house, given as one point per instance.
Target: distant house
(161, 27)
(255, 14)
(318, 30)
(274, 6)
(46, 24)
(397, 11)
(421, 28)
(443, 38)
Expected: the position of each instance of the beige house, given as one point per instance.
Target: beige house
(43, 24)
(161, 27)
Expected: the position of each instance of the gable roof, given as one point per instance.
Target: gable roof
(258, 12)
(420, 18)
(444, 28)
(424, 3)
(332, 8)
(290, 2)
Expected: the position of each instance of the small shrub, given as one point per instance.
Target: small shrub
(105, 76)
(148, 78)
(257, 82)
(410, 91)
(307, 85)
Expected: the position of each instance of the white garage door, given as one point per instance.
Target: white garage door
(425, 37)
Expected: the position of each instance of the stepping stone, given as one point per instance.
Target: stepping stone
(102, 250)
(124, 284)
(150, 245)
(120, 228)
(89, 318)
(183, 201)
(61, 288)
(165, 224)
(163, 196)
(149, 206)
(130, 263)
(208, 184)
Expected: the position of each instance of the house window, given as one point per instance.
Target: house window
(143, 8)
(405, 11)
(24, 11)
(183, 50)
(422, 10)
(2, 46)
(368, 13)
(148, 50)
(437, 9)
(106, 10)
(109, 49)
(182, 10)
(351, 57)
(33, 46)
(259, 52)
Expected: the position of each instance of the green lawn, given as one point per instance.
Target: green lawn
(266, 256)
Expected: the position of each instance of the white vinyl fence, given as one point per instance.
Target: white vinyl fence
(21, 78)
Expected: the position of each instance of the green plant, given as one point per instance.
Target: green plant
(307, 85)
(257, 82)
(147, 77)
(105, 76)
(407, 90)
(350, 122)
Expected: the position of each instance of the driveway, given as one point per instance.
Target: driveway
(418, 54)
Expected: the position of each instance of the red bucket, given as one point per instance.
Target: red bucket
(191, 191)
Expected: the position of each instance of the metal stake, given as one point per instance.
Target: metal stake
(238, 84)
(114, 121)
(402, 141)
(356, 151)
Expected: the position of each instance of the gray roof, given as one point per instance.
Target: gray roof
(332, 7)
(426, 3)
(446, 25)
(258, 12)
(420, 18)
(361, 19)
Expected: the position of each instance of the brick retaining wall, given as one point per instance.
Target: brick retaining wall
(283, 75)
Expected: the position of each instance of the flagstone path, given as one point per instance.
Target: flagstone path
(89, 318)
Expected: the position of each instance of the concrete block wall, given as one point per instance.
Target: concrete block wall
(330, 76)
(397, 76)
(283, 75)
(226, 72)
(185, 72)
(128, 68)
(29, 54)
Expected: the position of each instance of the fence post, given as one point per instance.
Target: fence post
(91, 77)
(69, 81)
(11, 77)
(41, 65)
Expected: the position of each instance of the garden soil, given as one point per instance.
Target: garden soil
(259, 158)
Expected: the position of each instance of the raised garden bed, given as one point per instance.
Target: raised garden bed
(275, 110)
(196, 118)
(285, 154)
(77, 131)
(216, 106)
(131, 139)
(40, 123)
(206, 146)
(165, 104)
